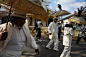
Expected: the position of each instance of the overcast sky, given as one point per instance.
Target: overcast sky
(69, 5)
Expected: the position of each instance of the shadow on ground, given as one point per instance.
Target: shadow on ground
(77, 50)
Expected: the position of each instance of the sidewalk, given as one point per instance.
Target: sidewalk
(77, 50)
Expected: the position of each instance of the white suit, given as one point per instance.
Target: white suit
(67, 39)
(30, 42)
(53, 28)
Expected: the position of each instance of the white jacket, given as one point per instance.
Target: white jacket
(30, 42)
(67, 38)
(52, 28)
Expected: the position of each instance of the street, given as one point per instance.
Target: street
(77, 50)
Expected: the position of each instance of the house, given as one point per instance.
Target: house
(33, 18)
(3, 11)
(83, 15)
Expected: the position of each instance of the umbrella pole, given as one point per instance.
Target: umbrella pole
(8, 17)
(61, 17)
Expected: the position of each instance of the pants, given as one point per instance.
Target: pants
(10, 53)
(55, 40)
(59, 35)
(38, 33)
(66, 51)
(79, 38)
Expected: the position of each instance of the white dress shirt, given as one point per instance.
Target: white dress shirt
(16, 42)
(55, 27)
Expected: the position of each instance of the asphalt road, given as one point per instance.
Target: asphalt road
(76, 50)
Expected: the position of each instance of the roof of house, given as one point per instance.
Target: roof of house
(83, 14)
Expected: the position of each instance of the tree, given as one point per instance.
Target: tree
(80, 10)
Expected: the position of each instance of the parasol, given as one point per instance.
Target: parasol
(61, 13)
(51, 13)
(76, 19)
(25, 6)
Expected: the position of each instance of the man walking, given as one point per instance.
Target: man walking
(81, 34)
(67, 39)
(53, 34)
(17, 35)
(59, 30)
(38, 30)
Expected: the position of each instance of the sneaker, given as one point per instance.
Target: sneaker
(56, 49)
(40, 40)
(35, 38)
(48, 47)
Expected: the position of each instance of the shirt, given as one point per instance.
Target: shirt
(39, 24)
(55, 27)
(82, 29)
(16, 42)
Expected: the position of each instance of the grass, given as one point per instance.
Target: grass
(45, 34)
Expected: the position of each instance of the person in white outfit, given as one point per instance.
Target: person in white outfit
(67, 39)
(53, 34)
(15, 37)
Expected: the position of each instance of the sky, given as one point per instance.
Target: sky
(69, 5)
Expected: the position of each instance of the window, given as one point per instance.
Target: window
(0, 6)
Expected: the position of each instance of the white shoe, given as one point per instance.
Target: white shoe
(40, 40)
(35, 38)
(56, 49)
(48, 47)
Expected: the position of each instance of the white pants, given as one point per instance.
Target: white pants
(10, 53)
(66, 51)
(55, 40)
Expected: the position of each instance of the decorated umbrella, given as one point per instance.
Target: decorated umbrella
(51, 13)
(25, 5)
(28, 7)
(76, 19)
(61, 13)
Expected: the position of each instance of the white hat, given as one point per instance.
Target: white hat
(17, 13)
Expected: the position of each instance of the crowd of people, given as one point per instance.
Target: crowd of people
(14, 35)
